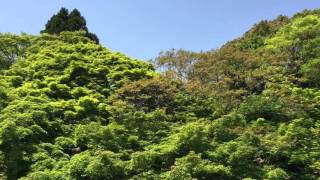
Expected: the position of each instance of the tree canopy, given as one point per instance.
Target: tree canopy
(72, 109)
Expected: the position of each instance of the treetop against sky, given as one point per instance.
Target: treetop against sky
(143, 28)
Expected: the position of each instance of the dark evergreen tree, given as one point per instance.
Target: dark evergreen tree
(57, 22)
(76, 22)
(65, 21)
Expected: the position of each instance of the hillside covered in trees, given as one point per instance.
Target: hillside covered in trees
(72, 109)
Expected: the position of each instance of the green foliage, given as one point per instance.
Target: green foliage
(240, 156)
(13, 48)
(62, 81)
(300, 29)
(193, 166)
(149, 94)
(72, 109)
(177, 63)
(105, 165)
(256, 36)
(269, 108)
(276, 174)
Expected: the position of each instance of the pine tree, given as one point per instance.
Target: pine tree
(76, 22)
(65, 21)
(57, 22)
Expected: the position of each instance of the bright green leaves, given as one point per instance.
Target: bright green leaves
(78, 164)
(95, 136)
(193, 166)
(227, 127)
(58, 91)
(193, 137)
(240, 156)
(105, 165)
(277, 174)
(88, 104)
(13, 48)
(300, 29)
(47, 156)
(255, 37)
(299, 41)
(60, 82)
(72, 109)
(142, 161)
(65, 143)
(299, 142)
(101, 165)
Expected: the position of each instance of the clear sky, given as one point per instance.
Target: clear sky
(142, 28)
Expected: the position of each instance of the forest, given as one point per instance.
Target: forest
(70, 108)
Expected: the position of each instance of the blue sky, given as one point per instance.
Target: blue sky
(142, 28)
